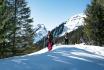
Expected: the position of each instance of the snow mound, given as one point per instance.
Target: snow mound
(94, 49)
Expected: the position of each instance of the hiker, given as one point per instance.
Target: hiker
(66, 38)
(49, 41)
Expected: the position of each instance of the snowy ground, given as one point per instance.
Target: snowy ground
(62, 57)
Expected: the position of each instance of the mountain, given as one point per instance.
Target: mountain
(74, 27)
(62, 57)
(74, 22)
(40, 31)
(58, 30)
(71, 24)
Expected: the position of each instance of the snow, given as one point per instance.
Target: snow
(40, 32)
(62, 57)
(73, 23)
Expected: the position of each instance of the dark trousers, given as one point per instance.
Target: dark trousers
(66, 41)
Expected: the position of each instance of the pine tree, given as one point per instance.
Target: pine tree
(5, 13)
(94, 22)
(22, 28)
(15, 28)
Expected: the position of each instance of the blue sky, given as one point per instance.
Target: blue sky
(51, 13)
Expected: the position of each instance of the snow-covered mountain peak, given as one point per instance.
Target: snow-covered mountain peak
(75, 17)
(41, 25)
(40, 31)
(74, 22)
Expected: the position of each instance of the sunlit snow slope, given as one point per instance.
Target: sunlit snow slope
(62, 57)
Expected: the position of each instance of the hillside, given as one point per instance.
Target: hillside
(62, 57)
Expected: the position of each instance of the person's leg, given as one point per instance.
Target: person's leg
(49, 46)
(67, 41)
